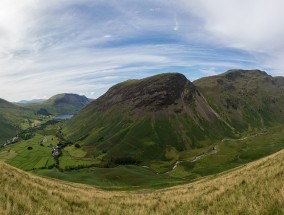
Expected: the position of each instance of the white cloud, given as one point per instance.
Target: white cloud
(86, 46)
(107, 36)
(176, 27)
(252, 25)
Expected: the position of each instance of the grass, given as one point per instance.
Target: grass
(256, 188)
(75, 152)
(118, 178)
(7, 154)
(67, 162)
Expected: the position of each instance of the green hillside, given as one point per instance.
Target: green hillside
(65, 103)
(246, 99)
(12, 119)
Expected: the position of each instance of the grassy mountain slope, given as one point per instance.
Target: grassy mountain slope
(246, 99)
(256, 188)
(60, 104)
(11, 118)
(144, 120)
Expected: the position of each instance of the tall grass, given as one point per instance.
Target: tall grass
(256, 188)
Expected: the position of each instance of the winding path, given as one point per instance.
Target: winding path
(213, 150)
(244, 138)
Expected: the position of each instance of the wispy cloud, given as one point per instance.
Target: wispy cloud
(88, 45)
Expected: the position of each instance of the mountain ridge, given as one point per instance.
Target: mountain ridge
(245, 98)
(150, 118)
(33, 101)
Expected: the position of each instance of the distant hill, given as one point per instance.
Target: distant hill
(65, 103)
(33, 101)
(15, 117)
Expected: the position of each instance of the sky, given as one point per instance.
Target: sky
(86, 46)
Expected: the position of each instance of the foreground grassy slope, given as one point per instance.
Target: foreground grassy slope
(256, 188)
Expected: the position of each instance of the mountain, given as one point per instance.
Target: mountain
(149, 119)
(159, 117)
(65, 103)
(255, 188)
(12, 117)
(245, 99)
(33, 101)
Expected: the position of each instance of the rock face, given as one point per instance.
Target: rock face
(166, 93)
(156, 92)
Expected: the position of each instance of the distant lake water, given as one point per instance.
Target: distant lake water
(63, 117)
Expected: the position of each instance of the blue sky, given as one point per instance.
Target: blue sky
(86, 46)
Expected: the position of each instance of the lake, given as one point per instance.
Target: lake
(63, 117)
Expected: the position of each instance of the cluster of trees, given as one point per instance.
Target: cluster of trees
(43, 112)
(26, 135)
(77, 145)
(81, 166)
(112, 162)
(115, 161)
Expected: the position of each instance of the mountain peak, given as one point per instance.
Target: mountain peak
(233, 74)
(64, 98)
(155, 92)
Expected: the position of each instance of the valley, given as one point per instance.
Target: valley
(75, 166)
(180, 148)
(160, 148)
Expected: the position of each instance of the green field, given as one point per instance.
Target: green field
(118, 178)
(39, 156)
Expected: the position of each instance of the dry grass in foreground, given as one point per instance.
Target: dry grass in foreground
(257, 188)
